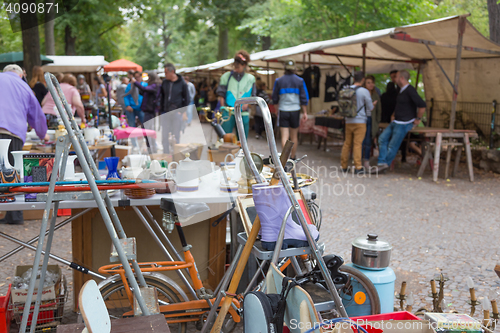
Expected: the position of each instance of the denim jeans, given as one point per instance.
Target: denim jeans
(190, 111)
(367, 142)
(131, 117)
(390, 140)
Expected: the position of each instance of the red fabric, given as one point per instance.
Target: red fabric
(321, 131)
(306, 127)
(122, 65)
(272, 109)
(133, 132)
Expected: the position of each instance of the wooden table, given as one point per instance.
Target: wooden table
(434, 138)
(155, 323)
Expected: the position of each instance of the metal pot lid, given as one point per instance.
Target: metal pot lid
(372, 243)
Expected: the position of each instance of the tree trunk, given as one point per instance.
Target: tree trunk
(223, 43)
(266, 43)
(31, 41)
(50, 44)
(70, 41)
(494, 15)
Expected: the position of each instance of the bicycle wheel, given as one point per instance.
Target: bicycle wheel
(359, 295)
(117, 302)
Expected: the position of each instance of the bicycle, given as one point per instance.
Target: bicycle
(179, 309)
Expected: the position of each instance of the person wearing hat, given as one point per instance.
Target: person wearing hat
(82, 86)
(290, 94)
(234, 85)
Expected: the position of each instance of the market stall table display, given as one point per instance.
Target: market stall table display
(459, 138)
(328, 125)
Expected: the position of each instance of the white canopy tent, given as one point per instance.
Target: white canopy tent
(75, 64)
(443, 50)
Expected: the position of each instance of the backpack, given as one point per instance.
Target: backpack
(348, 104)
(266, 312)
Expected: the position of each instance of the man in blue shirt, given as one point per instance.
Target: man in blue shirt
(290, 93)
(133, 100)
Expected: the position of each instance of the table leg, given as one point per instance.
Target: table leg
(468, 154)
(457, 161)
(425, 160)
(448, 160)
(437, 155)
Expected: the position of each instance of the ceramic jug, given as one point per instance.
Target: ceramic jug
(7, 172)
(18, 162)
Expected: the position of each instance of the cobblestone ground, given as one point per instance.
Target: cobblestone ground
(448, 226)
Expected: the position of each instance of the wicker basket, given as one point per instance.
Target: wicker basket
(140, 193)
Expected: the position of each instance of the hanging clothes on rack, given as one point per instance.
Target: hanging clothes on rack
(311, 76)
(331, 88)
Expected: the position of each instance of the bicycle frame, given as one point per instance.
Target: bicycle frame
(162, 266)
(189, 311)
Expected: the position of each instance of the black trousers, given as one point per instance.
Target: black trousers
(259, 124)
(15, 144)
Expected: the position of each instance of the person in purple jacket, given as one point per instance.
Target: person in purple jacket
(19, 107)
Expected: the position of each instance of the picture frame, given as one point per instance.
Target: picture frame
(246, 207)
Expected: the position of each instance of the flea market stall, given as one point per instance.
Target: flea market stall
(186, 235)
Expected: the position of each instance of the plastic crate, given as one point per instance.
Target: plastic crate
(5, 313)
(401, 315)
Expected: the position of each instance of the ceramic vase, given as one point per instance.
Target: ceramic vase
(112, 164)
(18, 162)
(8, 174)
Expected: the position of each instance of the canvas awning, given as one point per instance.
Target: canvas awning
(75, 64)
(385, 51)
(122, 65)
(18, 59)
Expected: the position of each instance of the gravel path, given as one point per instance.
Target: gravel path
(448, 226)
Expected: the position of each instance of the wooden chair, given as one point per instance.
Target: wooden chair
(93, 309)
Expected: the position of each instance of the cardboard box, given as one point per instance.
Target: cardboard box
(49, 293)
(218, 156)
(164, 157)
(388, 326)
(194, 149)
(453, 322)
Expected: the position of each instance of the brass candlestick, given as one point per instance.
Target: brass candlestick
(473, 302)
(486, 318)
(495, 315)
(401, 296)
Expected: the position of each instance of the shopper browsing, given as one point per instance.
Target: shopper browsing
(291, 94)
(355, 127)
(410, 108)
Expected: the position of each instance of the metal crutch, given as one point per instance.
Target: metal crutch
(110, 218)
(274, 154)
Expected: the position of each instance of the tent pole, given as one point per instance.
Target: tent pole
(268, 75)
(461, 30)
(364, 57)
(418, 76)
(310, 98)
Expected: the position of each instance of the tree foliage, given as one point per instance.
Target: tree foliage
(186, 32)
